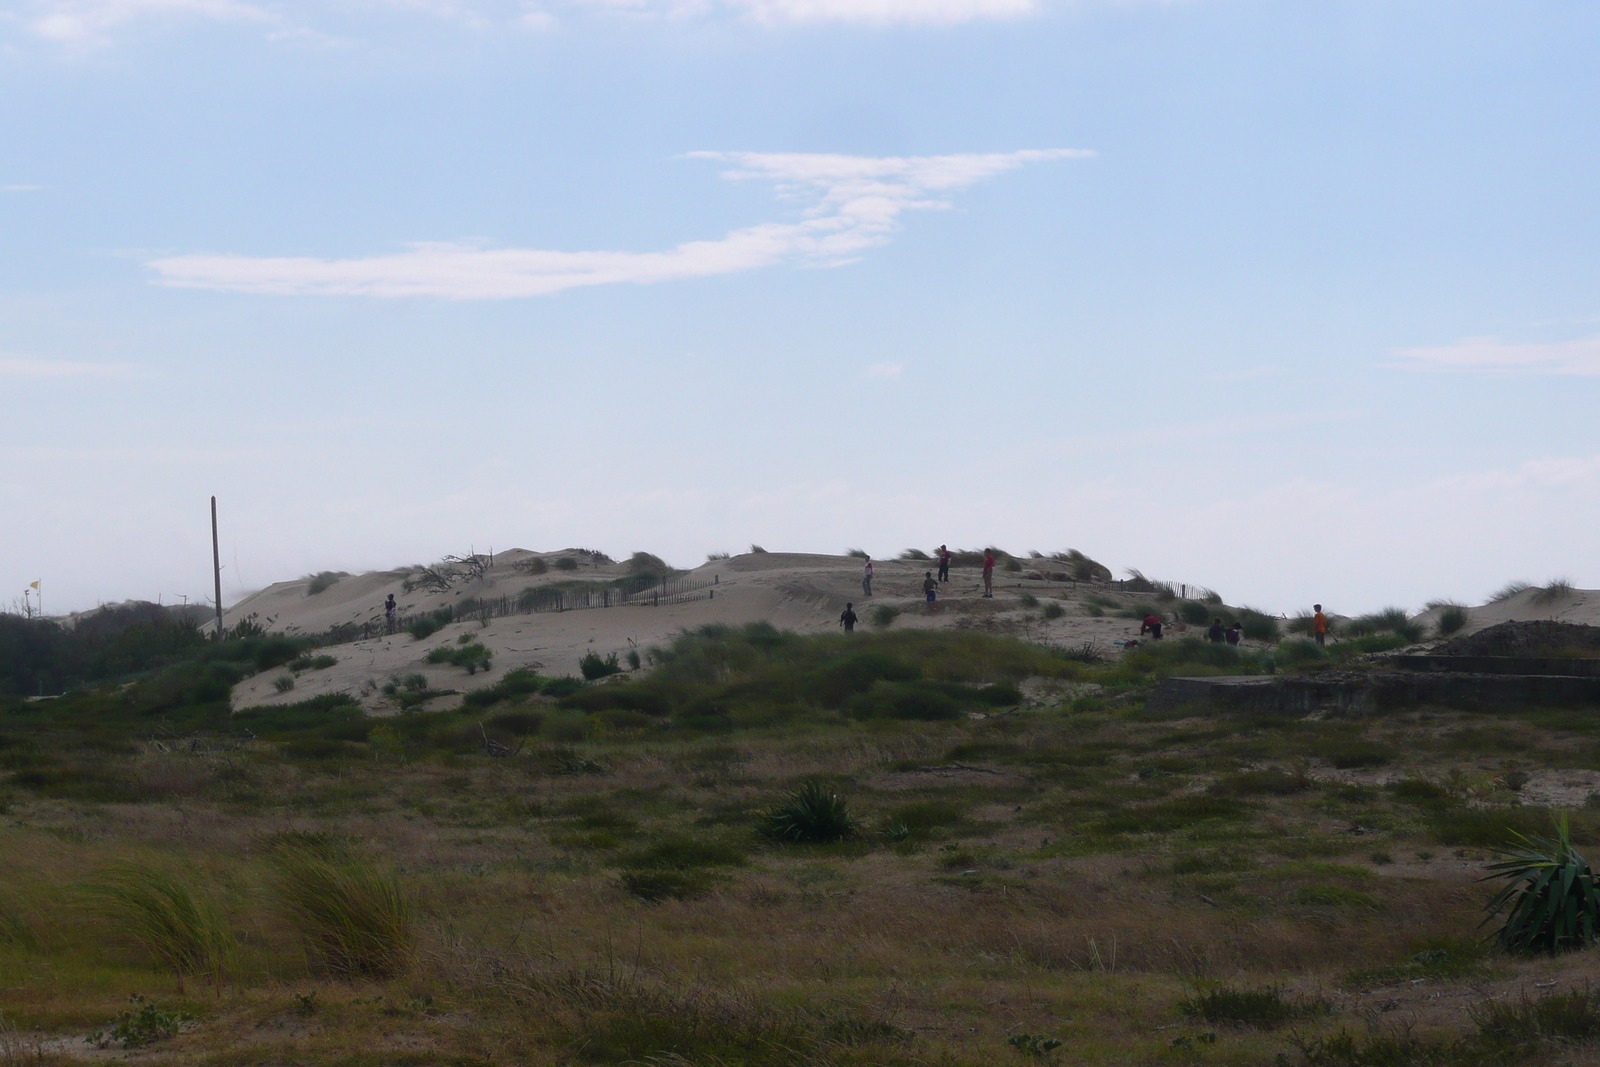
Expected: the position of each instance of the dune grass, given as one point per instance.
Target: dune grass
(353, 916)
(170, 920)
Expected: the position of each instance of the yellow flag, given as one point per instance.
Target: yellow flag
(35, 585)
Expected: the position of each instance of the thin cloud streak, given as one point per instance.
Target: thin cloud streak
(854, 203)
(1492, 355)
(49, 369)
(92, 21)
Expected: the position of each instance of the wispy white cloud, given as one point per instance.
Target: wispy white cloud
(93, 21)
(1492, 355)
(853, 203)
(884, 370)
(865, 12)
(43, 369)
(96, 22)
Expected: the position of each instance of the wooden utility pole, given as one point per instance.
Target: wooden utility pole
(216, 565)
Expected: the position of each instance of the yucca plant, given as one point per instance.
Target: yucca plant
(354, 916)
(1550, 896)
(159, 911)
(811, 813)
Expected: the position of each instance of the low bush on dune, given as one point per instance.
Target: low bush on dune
(1053, 610)
(1194, 613)
(594, 666)
(883, 615)
(914, 554)
(468, 655)
(1452, 617)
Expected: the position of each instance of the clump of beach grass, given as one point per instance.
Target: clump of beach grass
(1557, 589)
(1509, 590)
(177, 926)
(353, 916)
(1452, 616)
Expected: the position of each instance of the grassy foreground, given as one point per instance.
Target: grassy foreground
(1028, 868)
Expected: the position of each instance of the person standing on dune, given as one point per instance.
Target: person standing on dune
(944, 563)
(1319, 625)
(988, 573)
(866, 578)
(930, 589)
(848, 619)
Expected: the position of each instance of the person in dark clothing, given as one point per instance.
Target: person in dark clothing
(944, 563)
(388, 612)
(849, 618)
(930, 589)
(1151, 626)
(1217, 633)
(1235, 632)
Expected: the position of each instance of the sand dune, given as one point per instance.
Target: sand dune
(797, 591)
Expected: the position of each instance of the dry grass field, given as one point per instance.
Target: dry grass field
(1031, 869)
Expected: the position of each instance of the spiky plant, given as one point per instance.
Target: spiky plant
(1550, 896)
(811, 813)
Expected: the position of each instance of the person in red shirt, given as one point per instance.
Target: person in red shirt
(988, 573)
(1151, 626)
(1319, 625)
(944, 563)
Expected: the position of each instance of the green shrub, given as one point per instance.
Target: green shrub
(914, 554)
(883, 615)
(560, 687)
(1028, 600)
(180, 929)
(812, 813)
(1264, 1007)
(593, 667)
(1550, 896)
(1258, 626)
(566, 563)
(1194, 613)
(534, 565)
(634, 662)
(757, 550)
(1053, 610)
(1452, 617)
(424, 627)
(141, 1025)
(517, 723)
(471, 657)
(353, 917)
(891, 700)
(283, 683)
(322, 663)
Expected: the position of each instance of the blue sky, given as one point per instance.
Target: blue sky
(1295, 300)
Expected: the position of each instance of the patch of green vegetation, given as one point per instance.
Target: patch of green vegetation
(1263, 1007)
